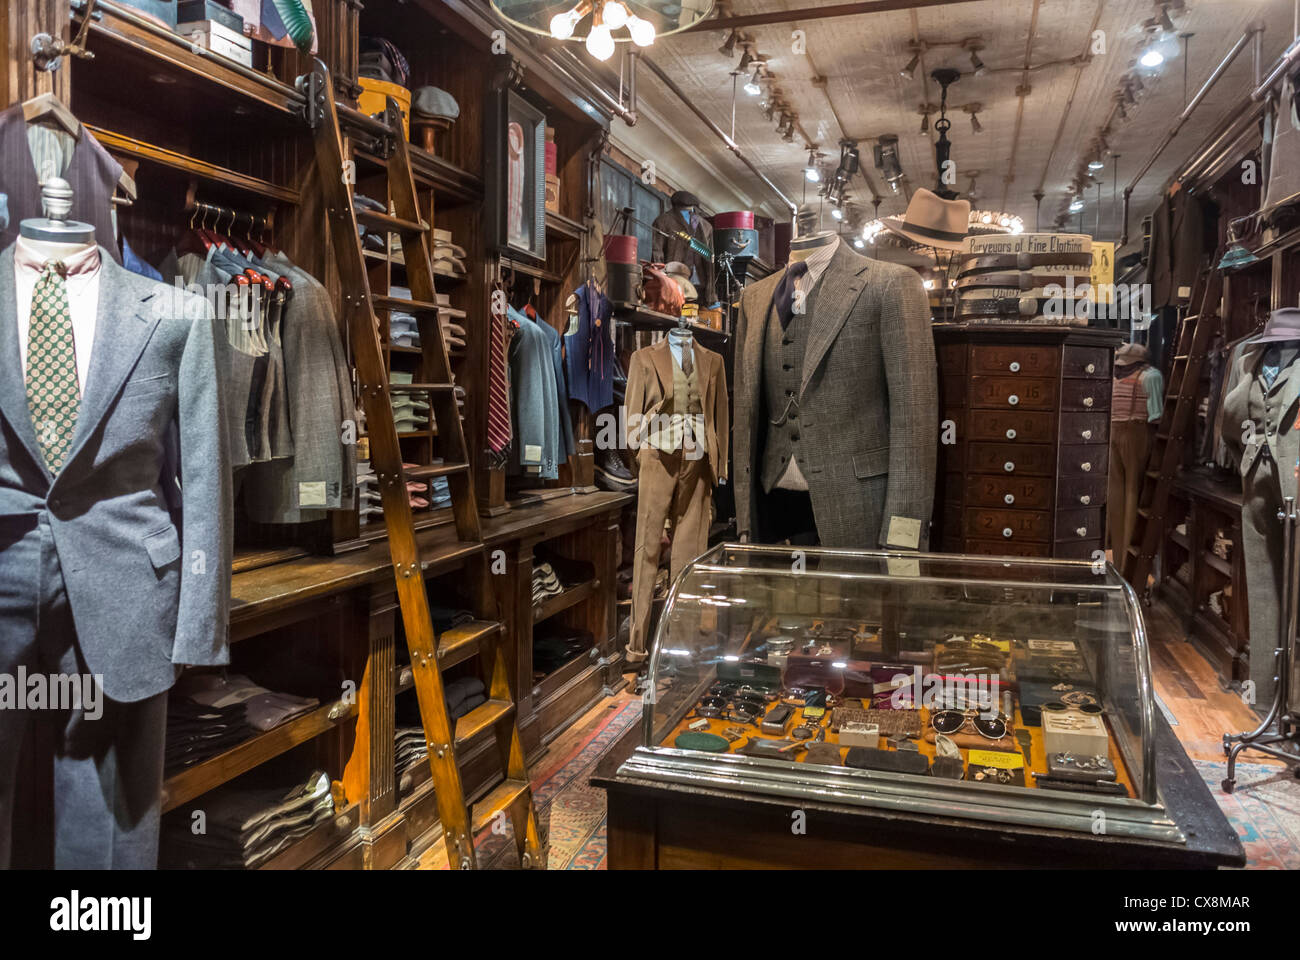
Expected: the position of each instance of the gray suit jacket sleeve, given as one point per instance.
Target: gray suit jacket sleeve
(907, 348)
(206, 521)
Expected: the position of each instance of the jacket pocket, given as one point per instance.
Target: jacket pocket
(163, 547)
(873, 463)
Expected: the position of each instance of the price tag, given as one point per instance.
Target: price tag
(996, 758)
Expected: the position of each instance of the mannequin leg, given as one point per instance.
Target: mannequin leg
(19, 586)
(657, 481)
(1261, 543)
(692, 514)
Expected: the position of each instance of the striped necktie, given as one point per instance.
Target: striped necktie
(53, 393)
(498, 420)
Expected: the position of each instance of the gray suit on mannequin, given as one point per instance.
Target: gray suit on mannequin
(118, 566)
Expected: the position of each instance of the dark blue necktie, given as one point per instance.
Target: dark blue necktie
(784, 296)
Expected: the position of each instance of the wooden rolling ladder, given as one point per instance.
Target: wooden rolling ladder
(428, 651)
(1176, 420)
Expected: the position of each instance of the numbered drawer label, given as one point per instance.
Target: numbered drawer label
(1007, 548)
(1013, 393)
(1023, 493)
(1008, 524)
(1021, 426)
(1012, 359)
(1012, 459)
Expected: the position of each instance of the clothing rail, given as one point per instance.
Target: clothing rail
(1252, 31)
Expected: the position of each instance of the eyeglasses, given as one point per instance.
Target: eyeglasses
(953, 721)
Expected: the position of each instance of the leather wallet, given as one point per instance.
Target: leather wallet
(827, 753)
(894, 761)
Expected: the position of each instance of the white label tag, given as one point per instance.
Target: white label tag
(1051, 646)
(311, 494)
(904, 532)
(532, 451)
(904, 567)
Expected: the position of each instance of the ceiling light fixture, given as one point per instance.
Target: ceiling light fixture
(909, 71)
(1076, 204)
(562, 24)
(600, 42)
(925, 122)
(614, 14)
(1165, 20)
(810, 172)
(728, 48)
(1096, 163)
(1152, 58)
(753, 88)
(641, 31)
(837, 213)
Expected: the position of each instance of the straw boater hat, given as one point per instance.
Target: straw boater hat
(932, 221)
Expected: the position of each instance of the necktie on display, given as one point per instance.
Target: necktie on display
(785, 291)
(498, 421)
(53, 393)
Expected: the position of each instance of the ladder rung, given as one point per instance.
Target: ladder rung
(388, 223)
(463, 641)
(401, 303)
(419, 387)
(502, 797)
(429, 471)
(480, 718)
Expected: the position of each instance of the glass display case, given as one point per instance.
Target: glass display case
(1007, 690)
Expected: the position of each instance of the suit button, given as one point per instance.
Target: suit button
(786, 366)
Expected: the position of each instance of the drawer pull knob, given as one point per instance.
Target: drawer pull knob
(1006, 532)
(1013, 399)
(1008, 466)
(1087, 401)
(1085, 499)
(1015, 366)
(1011, 434)
(1086, 434)
(1009, 499)
(1091, 368)
(1087, 467)
(1081, 531)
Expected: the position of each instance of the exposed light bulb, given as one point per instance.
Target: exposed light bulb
(1096, 164)
(837, 213)
(929, 284)
(1076, 205)
(986, 219)
(812, 175)
(1004, 222)
(859, 243)
(614, 14)
(642, 31)
(600, 42)
(1152, 58)
(562, 24)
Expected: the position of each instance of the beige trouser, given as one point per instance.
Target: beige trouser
(1130, 445)
(669, 486)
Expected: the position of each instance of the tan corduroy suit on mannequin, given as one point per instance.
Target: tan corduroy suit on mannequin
(678, 463)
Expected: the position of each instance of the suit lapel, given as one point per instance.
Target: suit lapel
(662, 358)
(838, 291)
(13, 382)
(123, 324)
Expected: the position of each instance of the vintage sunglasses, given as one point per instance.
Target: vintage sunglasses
(953, 721)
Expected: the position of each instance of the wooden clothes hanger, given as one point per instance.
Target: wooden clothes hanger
(48, 109)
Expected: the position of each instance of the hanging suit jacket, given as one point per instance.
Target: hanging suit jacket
(868, 400)
(1177, 235)
(534, 402)
(149, 588)
(650, 385)
(668, 249)
(1272, 409)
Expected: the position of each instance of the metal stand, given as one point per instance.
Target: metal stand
(1280, 726)
(733, 287)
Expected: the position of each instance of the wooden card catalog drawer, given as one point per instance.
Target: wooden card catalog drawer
(1013, 393)
(1079, 550)
(1081, 491)
(1082, 524)
(1085, 427)
(1009, 524)
(952, 357)
(1037, 460)
(952, 389)
(1019, 359)
(1086, 395)
(1084, 460)
(1086, 362)
(1008, 548)
(1021, 426)
(1026, 493)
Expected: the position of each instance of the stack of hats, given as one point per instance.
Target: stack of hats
(1040, 278)
(680, 274)
(448, 258)
(546, 582)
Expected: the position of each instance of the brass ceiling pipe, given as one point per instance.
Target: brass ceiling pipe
(824, 12)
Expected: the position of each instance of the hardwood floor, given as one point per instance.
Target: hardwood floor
(1190, 688)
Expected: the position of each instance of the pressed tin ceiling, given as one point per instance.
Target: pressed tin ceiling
(847, 83)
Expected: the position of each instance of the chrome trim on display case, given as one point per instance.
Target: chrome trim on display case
(905, 793)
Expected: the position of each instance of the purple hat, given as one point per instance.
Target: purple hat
(1282, 324)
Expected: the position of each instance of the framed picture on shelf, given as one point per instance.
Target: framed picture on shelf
(516, 176)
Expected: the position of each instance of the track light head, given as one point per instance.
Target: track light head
(909, 71)
(728, 48)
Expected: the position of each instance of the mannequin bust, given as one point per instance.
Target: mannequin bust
(808, 237)
(54, 236)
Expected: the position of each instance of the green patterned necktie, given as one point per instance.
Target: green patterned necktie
(53, 393)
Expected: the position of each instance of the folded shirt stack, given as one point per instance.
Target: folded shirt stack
(412, 749)
(462, 694)
(546, 583)
(448, 257)
(372, 502)
(210, 712)
(441, 495)
(246, 827)
(371, 239)
(410, 413)
(403, 329)
(555, 644)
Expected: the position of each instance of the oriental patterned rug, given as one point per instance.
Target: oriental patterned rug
(1264, 809)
